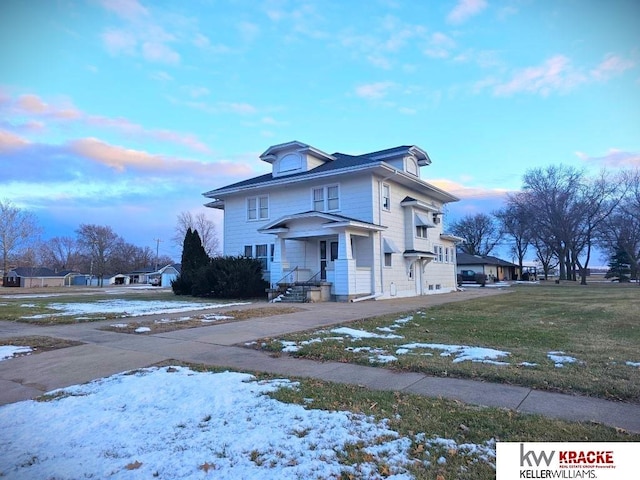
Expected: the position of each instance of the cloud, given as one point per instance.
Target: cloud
(119, 42)
(141, 35)
(611, 66)
(440, 46)
(614, 158)
(465, 9)
(10, 141)
(556, 74)
(159, 52)
(466, 192)
(127, 9)
(33, 105)
(195, 91)
(35, 109)
(248, 31)
(373, 91)
(381, 46)
(121, 159)
(239, 108)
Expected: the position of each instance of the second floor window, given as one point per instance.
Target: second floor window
(421, 231)
(257, 208)
(386, 197)
(326, 198)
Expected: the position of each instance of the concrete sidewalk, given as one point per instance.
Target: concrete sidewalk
(106, 353)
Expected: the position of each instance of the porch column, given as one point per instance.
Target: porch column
(345, 269)
(378, 260)
(279, 265)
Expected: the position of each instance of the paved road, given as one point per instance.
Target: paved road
(105, 353)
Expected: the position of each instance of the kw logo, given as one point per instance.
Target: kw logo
(531, 458)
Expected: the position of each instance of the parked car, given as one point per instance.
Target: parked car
(469, 276)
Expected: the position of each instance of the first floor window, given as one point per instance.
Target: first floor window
(261, 254)
(387, 259)
(440, 253)
(248, 251)
(446, 255)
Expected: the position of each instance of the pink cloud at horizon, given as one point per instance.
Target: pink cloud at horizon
(32, 105)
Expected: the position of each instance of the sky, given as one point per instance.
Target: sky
(123, 112)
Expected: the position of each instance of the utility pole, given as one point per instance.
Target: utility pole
(157, 240)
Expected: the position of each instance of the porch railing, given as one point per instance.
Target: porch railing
(289, 273)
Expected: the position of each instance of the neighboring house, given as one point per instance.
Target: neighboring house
(493, 267)
(166, 275)
(141, 276)
(367, 225)
(28, 277)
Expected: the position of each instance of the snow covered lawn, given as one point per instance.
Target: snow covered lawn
(175, 423)
(126, 308)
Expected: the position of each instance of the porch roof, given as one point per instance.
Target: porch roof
(418, 254)
(326, 220)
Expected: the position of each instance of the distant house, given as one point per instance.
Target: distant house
(365, 225)
(493, 267)
(164, 276)
(142, 275)
(31, 277)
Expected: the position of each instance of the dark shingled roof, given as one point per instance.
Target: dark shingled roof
(341, 161)
(466, 259)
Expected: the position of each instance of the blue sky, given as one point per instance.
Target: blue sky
(122, 112)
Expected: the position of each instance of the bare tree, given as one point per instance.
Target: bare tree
(516, 225)
(550, 197)
(621, 229)
(61, 253)
(480, 232)
(205, 228)
(599, 197)
(99, 243)
(566, 208)
(18, 229)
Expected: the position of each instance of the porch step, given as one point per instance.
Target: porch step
(295, 294)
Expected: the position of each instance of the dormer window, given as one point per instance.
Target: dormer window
(290, 163)
(412, 166)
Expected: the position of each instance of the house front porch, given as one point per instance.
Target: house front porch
(330, 256)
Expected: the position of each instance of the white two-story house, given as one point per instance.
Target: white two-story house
(368, 225)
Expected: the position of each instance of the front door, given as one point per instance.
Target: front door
(323, 259)
(327, 256)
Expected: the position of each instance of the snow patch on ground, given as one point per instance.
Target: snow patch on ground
(378, 355)
(9, 351)
(142, 330)
(209, 318)
(461, 352)
(128, 308)
(357, 334)
(560, 358)
(632, 364)
(175, 423)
